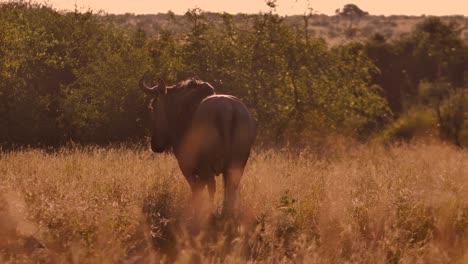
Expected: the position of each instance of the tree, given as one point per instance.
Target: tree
(427, 67)
(391, 75)
(74, 75)
(67, 76)
(353, 14)
(441, 60)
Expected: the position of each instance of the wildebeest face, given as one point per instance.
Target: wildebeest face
(160, 124)
(159, 111)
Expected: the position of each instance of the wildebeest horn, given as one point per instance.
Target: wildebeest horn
(147, 89)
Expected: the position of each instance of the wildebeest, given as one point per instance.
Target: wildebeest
(208, 133)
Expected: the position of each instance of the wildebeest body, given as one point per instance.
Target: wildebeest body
(218, 141)
(209, 134)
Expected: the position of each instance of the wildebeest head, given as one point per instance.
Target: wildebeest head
(159, 115)
(172, 108)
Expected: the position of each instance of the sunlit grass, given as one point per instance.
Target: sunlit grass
(345, 203)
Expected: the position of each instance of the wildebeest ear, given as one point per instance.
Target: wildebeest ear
(162, 86)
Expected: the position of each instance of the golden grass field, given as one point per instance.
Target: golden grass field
(341, 203)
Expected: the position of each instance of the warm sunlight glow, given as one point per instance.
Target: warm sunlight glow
(284, 7)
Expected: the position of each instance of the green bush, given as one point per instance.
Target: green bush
(67, 76)
(73, 76)
(417, 122)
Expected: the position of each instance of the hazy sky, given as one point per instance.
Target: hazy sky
(374, 7)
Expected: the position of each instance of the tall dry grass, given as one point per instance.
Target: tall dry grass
(350, 203)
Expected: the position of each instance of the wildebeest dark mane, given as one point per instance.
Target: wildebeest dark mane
(183, 100)
(185, 84)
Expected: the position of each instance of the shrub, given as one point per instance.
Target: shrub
(417, 122)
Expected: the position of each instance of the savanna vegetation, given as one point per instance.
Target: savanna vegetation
(340, 172)
(349, 23)
(71, 76)
(347, 202)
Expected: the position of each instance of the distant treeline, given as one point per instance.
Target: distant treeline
(73, 76)
(334, 28)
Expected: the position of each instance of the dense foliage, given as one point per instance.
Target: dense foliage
(427, 69)
(73, 75)
(66, 77)
(291, 81)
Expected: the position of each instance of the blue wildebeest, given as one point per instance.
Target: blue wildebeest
(209, 134)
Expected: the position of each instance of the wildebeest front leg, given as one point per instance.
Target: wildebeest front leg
(211, 184)
(231, 179)
(197, 189)
(208, 179)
